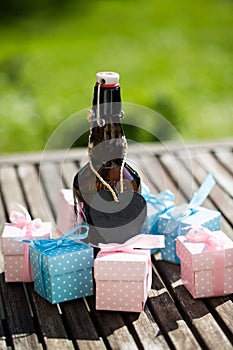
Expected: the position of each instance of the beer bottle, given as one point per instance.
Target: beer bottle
(107, 168)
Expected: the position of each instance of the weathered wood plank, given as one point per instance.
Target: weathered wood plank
(184, 180)
(49, 322)
(112, 328)
(18, 318)
(194, 311)
(225, 157)
(170, 321)
(10, 187)
(224, 179)
(39, 206)
(52, 182)
(144, 327)
(222, 309)
(157, 177)
(3, 344)
(81, 152)
(80, 325)
(68, 172)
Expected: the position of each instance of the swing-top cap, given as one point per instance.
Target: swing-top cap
(107, 78)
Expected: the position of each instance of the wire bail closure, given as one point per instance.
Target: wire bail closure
(91, 117)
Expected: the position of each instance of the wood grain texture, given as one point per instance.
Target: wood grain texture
(194, 311)
(172, 319)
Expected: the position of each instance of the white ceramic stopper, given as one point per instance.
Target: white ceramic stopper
(107, 78)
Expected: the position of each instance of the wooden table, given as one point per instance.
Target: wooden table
(172, 319)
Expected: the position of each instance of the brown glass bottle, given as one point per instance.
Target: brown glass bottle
(107, 146)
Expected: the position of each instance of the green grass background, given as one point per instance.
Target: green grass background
(173, 56)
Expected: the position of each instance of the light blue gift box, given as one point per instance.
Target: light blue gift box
(156, 206)
(178, 220)
(62, 268)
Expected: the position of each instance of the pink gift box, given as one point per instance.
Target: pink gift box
(123, 280)
(206, 270)
(65, 212)
(16, 254)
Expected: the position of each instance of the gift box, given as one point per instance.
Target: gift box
(62, 267)
(123, 278)
(156, 206)
(176, 221)
(206, 263)
(17, 265)
(65, 212)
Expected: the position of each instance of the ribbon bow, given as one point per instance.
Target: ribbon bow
(24, 221)
(158, 204)
(200, 234)
(70, 238)
(184, 210)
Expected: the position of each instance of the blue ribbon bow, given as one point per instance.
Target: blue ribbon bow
(184, 210)
(70, 238)
(160, 203)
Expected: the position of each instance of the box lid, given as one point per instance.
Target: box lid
(200, 216)
(122, 266)
(196, 254)
(63, 259)
(10, 245)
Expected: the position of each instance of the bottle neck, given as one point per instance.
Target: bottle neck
(107, 142)
(106, 104)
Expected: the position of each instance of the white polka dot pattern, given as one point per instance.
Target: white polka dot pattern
(66, 272)
(13, 250)
(122, 280)
(197, 266)
(171, 228)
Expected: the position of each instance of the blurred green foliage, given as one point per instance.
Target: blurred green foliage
(173, 56)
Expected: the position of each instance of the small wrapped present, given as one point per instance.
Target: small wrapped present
(175, 221)
(63, 267)
(206, 262)
(123, 273)
(65, 212)
(17, 265)
(156, 206)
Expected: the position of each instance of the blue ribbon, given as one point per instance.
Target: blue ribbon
(69, 239)
(185, 210)
(161, 202)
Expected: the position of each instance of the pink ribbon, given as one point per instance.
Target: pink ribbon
(140, 241)
(27, 225)
(134, 246)
(199, 234)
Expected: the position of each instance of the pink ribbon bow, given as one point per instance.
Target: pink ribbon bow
(27, 225)
(199, 234)
(24, 221)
